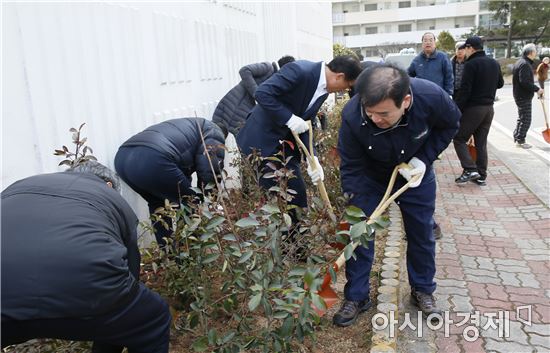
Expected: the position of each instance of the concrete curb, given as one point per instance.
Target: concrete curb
(384, 339)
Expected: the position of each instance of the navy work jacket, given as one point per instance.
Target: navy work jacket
(370, 153)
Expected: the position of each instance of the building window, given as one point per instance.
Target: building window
(432, 27)
(404, 28)
(403, 4)
(370, 7)
(346, 34)
(371, 30)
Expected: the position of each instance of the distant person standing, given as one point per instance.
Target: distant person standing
(432, 65)
(542, 71)
(524, 89)
(458, 62)
(235, 106)
(480, 80)
(435, 66)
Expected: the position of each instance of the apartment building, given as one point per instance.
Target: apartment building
(376, 28)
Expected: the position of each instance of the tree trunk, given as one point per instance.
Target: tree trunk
(509, 40)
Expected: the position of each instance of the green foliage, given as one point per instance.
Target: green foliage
(446, 42)
(528, 19)
(233, 276)
(339, 49)
(82, 152)
(243, 269)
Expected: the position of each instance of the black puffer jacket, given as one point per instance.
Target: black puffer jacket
(523, 80)
(69, 248)
(235, 106)
(181, 140)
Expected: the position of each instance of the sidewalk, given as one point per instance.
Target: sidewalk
(494, 258)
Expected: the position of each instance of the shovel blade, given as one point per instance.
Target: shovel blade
(473, 152)
(327, 293)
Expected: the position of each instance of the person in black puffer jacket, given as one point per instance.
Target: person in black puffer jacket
(70, 265)
(158, 162)
(235, 106)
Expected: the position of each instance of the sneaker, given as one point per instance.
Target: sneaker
(481, 181)
(437, 232)
(426, 303)
(523, 145)
(349, 311)
(467, 176)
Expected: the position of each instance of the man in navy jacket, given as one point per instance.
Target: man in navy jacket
(433, 65)
(285, 102)
(70, 265)
(394, 119)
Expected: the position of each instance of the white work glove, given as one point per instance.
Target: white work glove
(297, 124)
(317, 174)
(417, 167)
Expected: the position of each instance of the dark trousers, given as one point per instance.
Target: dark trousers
(417, 207)
(475, 121)
(524, 119)
(155, 177)
(143, 326)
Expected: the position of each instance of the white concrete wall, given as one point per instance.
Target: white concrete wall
(121, 67)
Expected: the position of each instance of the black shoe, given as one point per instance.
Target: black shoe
(437, 232)
(481, 181)
(349, 311)
(467, 176)
(426, 303)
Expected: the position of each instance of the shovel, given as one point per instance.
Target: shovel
(309, 156)
(325, 291)
(545, 133)
(472, 148)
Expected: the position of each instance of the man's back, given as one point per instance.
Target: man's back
(481, 78)
(66, 238)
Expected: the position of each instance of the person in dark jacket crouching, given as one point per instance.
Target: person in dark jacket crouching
(480, 80)
(391, 120)
(70, 265)
(158, 162)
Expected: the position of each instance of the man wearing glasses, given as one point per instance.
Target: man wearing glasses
(432, 65)
(394, 119)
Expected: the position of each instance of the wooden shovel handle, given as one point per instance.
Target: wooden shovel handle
(384, 203)
(311, 161)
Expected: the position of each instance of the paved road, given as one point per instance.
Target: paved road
(531, 166)
(492, 260)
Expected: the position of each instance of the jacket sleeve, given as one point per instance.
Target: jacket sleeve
(128, 226)
(352, 166)
(465, 86)
(248, 74)
(449, 78)
(525, 78)
(446, 120)
(277, 85)
(412, 68)
(500, 83)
